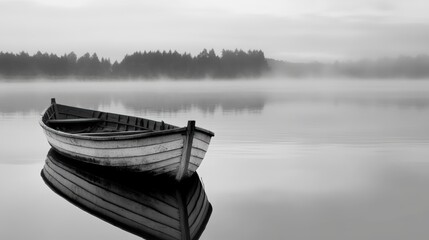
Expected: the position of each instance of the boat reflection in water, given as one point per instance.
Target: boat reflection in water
(153, 208)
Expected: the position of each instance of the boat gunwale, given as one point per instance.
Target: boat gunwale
(118, 137)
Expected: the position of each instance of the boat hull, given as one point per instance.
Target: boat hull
(173, 152)
(155, 155)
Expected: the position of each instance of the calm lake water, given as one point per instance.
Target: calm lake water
(307, 159)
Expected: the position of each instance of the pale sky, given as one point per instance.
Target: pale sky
(294, 30)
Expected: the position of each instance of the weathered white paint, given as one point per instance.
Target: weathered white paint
(195, 161)
(119, 152)
(192, 168)
(114, 144)
(198, 153)
(141, 152)
(200, 144)
(202, 136)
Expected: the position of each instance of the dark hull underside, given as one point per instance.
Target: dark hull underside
(153, 209)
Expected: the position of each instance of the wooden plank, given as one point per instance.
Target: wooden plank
(203, 137)
(129, 163)
(86, 113)
(111, 120)
(138, 142)
(167, 199)
(196, 152)
(54, 103)
(152, 220)
(200, 145)
(119, 153)
(187, 147)
(138, 202)
(78, 112)
(141, 124)
(192, 168)
(195, 160)
(118, 122)
(192, 190)
(114, 133)
(194, 228)
(202, 200)
(155, 166)
(194, 198)
(169, 170)
(131, 125)
(73, 120)
(50, 115)
(151, 124)
(210, 133)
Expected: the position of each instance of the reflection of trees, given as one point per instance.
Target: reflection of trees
(137, 101)
(208, 102)
(154, 64)
(16, 101)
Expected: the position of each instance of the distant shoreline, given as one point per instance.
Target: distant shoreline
(403, 67)
(139, 65)
(171, 65)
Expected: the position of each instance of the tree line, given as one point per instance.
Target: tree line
(152, 64)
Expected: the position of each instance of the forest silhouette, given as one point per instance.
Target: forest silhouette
(152, 64)
(230, 64)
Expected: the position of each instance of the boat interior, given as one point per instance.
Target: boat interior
(96, 123)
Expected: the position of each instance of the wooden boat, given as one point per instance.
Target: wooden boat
(125, 142)
(144, 206)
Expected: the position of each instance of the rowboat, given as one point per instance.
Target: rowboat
(140, 205)
(125, 142)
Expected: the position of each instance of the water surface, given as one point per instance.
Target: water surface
(313, 159)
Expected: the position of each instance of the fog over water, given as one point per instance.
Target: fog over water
(303, 159)
(330, 143)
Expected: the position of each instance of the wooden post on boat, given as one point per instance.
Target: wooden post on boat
(186, 154)
(53, 102)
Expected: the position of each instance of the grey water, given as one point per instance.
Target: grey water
(291, 159)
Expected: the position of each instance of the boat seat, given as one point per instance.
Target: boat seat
(74, 120)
